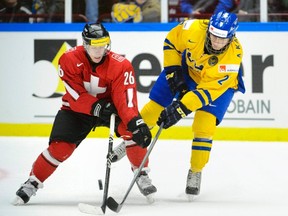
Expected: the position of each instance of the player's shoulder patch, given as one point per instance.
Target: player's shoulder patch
(188, 23)
(70, 50)
(118, 57)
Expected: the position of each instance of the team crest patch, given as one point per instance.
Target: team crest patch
(118, 57)
(213, 60)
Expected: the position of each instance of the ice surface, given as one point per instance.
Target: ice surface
(241, 178)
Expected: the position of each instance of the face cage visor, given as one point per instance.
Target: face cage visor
(209, 47)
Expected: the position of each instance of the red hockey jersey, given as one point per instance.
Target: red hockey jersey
(86, 83)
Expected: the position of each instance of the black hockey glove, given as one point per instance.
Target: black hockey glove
(103, 109)
(140, 132)
(172, 114)
(176, 81)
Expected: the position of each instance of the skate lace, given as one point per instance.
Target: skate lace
(194, 179)
(29, 188)
(144, 181)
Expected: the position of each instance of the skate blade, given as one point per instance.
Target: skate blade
(191, 197)
(17, 201)
(150, 198)
(90, 209)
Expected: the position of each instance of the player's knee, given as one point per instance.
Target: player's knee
(135, 155)
(204, 124)
(150, 113)
(60, 151)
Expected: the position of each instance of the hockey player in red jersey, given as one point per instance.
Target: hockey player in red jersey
(98, 82)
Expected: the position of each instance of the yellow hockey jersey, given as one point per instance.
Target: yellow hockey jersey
(213, 74)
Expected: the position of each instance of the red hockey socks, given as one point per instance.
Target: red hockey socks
(48, 161)
(135, 155)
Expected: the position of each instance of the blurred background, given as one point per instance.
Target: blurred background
(35, 11)
(35, 33)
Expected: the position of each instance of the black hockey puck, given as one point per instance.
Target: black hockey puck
(100, 184)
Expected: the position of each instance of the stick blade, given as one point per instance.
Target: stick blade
(90, 209)
(113, 205)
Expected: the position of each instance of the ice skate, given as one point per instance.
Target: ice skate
(145, 185)
(26, 190)
(193, 184)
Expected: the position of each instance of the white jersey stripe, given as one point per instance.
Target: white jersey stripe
(51, 159)
(71, 91)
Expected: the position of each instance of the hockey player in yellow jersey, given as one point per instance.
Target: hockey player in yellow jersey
(201, 74)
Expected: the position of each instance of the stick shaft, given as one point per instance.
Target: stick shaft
(111, 203)
(107, 175)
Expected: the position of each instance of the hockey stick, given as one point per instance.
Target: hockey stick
(108, 164)
(111, 203)
(90, 209)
